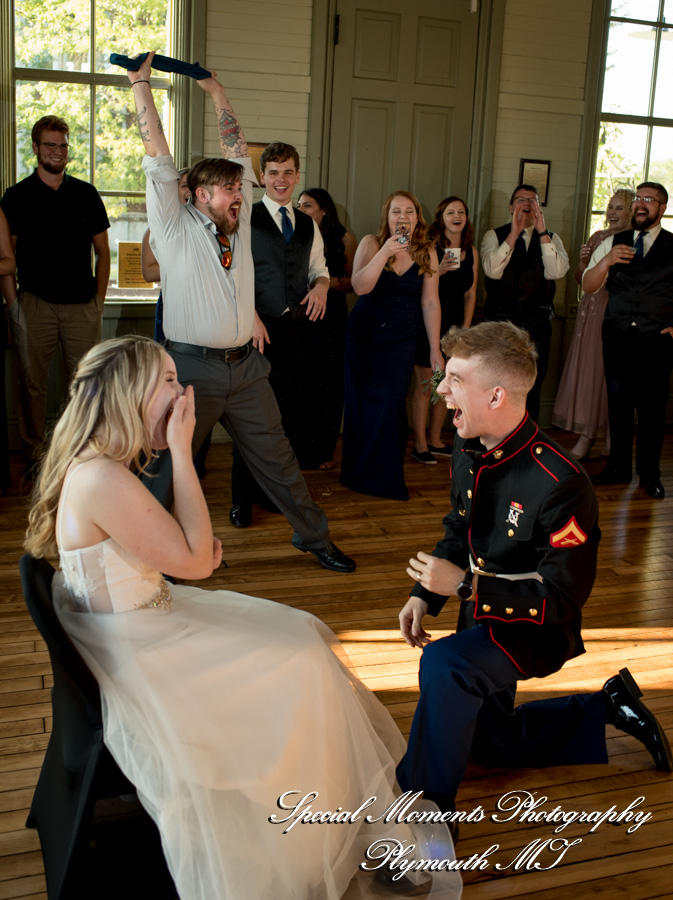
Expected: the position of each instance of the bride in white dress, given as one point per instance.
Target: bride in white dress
(215, 704)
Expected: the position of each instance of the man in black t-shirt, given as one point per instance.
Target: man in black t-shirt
(55, 220)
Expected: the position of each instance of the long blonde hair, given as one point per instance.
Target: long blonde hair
(419, 244)
(106, 416)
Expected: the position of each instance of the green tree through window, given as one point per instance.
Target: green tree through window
(635, 134)
(62, 51)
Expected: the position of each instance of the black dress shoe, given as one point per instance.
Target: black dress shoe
(240, 516)
(330, 557)
(611, 475)
(629, 714)
(654, 489)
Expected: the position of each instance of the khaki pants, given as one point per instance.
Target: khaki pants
(37, 328)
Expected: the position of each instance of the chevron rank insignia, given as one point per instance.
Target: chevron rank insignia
(571, 535)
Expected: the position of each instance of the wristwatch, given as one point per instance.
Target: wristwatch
(464, 591)
(542, 233)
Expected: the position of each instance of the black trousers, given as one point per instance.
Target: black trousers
(294, 351)
(466, 708)
(638, 374)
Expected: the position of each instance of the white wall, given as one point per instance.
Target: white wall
(261, 52)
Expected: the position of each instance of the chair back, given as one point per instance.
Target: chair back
(70, 670)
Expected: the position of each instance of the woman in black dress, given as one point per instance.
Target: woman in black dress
(340, 247)
(395, 274)
(458, 260)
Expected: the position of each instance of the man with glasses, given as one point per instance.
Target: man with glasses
(55, 220)
(208, 280)
(637, 268)
(521, 261)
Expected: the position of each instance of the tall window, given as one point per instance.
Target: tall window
(635, 140)
(61, 55)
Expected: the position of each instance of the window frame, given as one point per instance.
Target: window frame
(179, 16)
(649, 121)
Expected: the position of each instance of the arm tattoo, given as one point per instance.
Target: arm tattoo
(142, 125)
(231, 139)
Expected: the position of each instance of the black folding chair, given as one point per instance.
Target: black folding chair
(117, 853)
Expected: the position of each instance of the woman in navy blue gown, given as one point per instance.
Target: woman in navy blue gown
(395, 275)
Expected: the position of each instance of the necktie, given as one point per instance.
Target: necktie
(520, 245)
(288, 231)
(639, 246)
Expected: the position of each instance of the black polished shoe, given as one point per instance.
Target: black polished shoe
(654, 489)
(240, 516)
(610, 475)
(629, 714)
(330, 557)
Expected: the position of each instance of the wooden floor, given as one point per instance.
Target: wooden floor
(628, 621)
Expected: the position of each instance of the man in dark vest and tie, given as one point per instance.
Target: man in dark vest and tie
(291, 283)
(521, 261)
(637, 266)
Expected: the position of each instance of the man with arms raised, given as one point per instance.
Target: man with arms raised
(521, 261)
(519, 551)
(637, 337)
(203, 250)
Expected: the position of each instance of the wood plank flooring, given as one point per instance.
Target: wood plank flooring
(628, 621)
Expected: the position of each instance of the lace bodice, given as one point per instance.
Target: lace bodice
(105, 578)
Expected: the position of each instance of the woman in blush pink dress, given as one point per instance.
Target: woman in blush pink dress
(581, 401)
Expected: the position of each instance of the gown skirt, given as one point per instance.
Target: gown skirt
(581, 402)
(222, 705)
(380, 351)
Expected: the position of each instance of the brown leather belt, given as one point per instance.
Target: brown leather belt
(227, 355)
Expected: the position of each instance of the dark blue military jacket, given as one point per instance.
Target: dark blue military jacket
(522, 508)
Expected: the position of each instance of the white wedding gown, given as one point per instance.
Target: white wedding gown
(215, 704)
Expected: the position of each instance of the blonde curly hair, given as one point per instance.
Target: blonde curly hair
(106, 415)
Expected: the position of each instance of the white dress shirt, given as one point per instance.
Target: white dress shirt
(204, 303)
(495, 256)
(649, 237)
(316, 264)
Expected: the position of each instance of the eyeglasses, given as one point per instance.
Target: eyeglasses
(50, 145)
(225, 250)
(639, 199)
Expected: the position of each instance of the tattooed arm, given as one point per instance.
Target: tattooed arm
(149, 123)
(232, 139)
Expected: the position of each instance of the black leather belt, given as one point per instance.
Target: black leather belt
(232, 354)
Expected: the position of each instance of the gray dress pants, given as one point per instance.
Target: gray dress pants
(238, 395)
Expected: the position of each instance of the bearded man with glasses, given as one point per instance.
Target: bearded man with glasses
(59, 298)
(637, 268)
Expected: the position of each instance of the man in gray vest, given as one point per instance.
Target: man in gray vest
(291, 284)
(521, 261)
(203, 250)
(637, 266)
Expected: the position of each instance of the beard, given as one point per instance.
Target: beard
(646, 223)
(55, 168)
(224, 225)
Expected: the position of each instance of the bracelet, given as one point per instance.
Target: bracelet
(140, 81)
